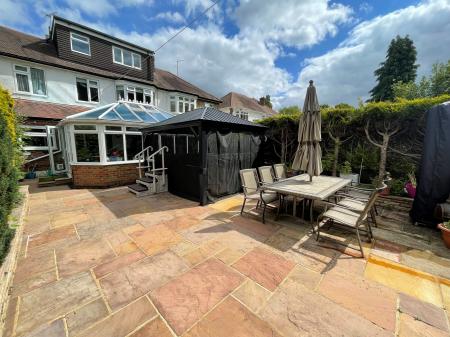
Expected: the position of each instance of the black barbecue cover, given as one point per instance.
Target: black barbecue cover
(434, 176)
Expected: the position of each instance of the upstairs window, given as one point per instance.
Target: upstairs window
(126, 58)
(87, 90)
(134, 94)
(185, 104)
(30, 80)
(80, 44)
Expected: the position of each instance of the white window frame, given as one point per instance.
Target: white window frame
(73, 37)
(29, 133)
(101, 131)
(88, 80)
(133, 56)
(189, 100)
(30, 81)
(242, 114)
(132, 88)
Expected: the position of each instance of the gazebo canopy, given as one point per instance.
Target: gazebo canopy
(123, 111)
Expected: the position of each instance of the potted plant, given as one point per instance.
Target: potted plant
(346, 173)
(411, 185)
(445, 230)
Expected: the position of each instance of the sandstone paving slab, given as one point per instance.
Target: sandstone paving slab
(156, 239)
(82, 318)
(297, 311)
(121, 243)
(410, 327)
(183, 247)
(307, 277)
(346, 264)
(8, 328)
(54, 329)
(231, 318)
(388, 250)
(126, 284)
(181, 222)
(124, 321)
(34, 282)
(203, 252)
(34, 264)
(404, 280)
(445, 291)
(197, 291)
(252, 295)
(35, 224)
(281, 242)
(230, 255)
(245, 224)
(44, 304)
(133, 228)
(427, 262)
(264, 267)
(100, 227)
(366, 298)
(82, 256)
(118, 263)
(62, 218)
(425, 312)
(206, 230)
(155, 328)
(47, 237)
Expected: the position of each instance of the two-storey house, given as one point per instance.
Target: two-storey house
(245, 107)
(55, 80)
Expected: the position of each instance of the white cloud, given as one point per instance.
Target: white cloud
(291, 22)
(172, 17)
(13, 13)
(346, 73)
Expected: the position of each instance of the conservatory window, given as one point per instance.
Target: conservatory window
(35, 138)
(134, 145)
(80, 44)
(126, 58)
(30, 80)
(114, 147)
(87, 149)
(87, 90)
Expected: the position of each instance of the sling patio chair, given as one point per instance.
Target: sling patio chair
(254, 191)
(280, 171)
(266, 175)
(341, 216)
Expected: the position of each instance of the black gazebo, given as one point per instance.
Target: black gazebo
(207, 148)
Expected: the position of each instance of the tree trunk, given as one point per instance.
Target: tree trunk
(383, 156)
(337, 144)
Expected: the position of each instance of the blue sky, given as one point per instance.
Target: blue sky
(260, 47)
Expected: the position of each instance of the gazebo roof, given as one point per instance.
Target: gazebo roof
(207, 114)
(123, 111)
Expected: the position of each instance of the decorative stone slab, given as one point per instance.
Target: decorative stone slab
(82, 256)
(252, 295)
(264, 267)
(368, 299)
(197, 291)
(118, 263)
(82, 318)
(410, 327)
(54, 329)
(231, 318)
(297, 311)
(155, 328)
(35, 264)
(308, 278)
(123, 321)
(155, 239)
(44, 304)
(423, 311)
(34, 282)
(57, 234)
(126, 284)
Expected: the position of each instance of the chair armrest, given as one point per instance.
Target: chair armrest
(344, 195)
(335, 205)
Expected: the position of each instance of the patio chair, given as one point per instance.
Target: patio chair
(280, 171)
(253, 191)
(266, 174)
(342, 216)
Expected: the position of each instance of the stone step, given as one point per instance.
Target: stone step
(137, 188)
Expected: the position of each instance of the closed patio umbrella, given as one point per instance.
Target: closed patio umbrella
(309, 154)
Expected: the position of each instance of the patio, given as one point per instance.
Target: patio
(103, 263)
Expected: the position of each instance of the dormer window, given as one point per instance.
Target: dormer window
(126, 58)
(80, 44)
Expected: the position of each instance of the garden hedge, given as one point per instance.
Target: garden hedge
(10, 161)
(349, 123)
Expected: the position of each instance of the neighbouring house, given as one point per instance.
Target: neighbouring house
(244, 107)
(83, 95)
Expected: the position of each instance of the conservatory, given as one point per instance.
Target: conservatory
(99, 145)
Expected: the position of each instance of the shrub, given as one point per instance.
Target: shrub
(10, 161)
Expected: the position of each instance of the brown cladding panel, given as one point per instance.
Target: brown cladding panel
(101, 54)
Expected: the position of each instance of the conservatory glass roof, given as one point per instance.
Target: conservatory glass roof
(124, 111)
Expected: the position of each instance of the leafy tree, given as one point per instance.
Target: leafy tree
(398, 66)
(440, 79)
(412, 90)
(290, 110)
(265, 101)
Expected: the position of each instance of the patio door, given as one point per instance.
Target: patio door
(57, 155)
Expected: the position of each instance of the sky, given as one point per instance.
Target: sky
(260, 47)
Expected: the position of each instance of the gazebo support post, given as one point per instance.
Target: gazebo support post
(203, 166)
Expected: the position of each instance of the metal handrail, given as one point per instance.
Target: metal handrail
(141, 157)
(163, 168)
(145, 155)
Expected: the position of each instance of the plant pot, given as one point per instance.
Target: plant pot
(410, 189)
(386, 191)
(445, 234)
(30, 175)
(354, 177)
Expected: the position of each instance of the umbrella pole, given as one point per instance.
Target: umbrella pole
(310, 178)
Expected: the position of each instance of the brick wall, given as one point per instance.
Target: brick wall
(104, 176)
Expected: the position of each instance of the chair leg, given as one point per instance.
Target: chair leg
(359, 241)
(243, 205)
(280, 204)
(264, 214)
(318, 229)
(373, 214)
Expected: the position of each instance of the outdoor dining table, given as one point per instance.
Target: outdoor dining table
(300, 186)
